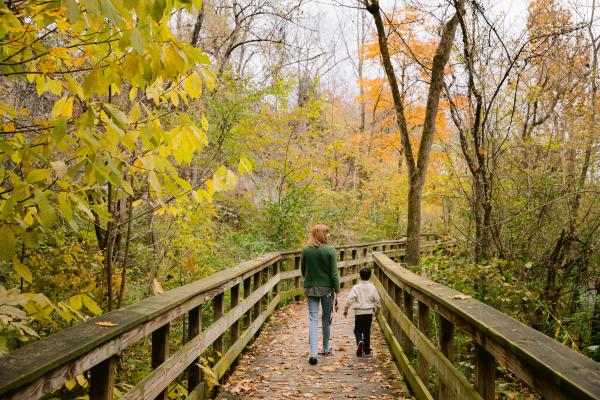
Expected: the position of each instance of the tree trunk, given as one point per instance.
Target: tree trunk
(417, 170)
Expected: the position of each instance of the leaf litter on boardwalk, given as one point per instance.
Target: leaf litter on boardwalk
(276, 365)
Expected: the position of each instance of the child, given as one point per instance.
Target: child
(364, 299)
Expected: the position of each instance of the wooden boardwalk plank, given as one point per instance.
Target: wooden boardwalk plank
(276, 364)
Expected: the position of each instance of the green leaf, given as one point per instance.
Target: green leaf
(72, 11)
(111, 12)
(59, 129)
(118, 116)
(22, 270)
(127, 187)
(65, 208)
(137, 40)
(46, 211)
(8, 242)
(38, 175)
(91, 304)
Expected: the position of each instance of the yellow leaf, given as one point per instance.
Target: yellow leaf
(81, 380)
(70, 384)
(63, 107)
(204, 123)
(136, 203)
(22, 270)
(209, 374)
(193, 85)
(91, 304)
(76, 302)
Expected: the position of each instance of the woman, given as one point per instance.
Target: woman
(321, 280)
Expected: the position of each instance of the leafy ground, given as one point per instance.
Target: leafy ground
(276, 365)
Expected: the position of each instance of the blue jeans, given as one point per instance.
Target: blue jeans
(313, 322)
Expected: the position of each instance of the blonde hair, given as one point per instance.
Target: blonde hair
(318, 236)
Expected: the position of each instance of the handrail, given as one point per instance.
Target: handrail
(43, 366)
(547, 366)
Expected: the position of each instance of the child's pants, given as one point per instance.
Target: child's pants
(362, 330)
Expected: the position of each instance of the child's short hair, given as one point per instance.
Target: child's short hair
(365, 274)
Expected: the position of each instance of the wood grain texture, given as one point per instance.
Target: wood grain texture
(550, 368)
(454, 381)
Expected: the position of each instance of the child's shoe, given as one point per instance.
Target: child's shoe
(367, 354)
(359, 348)
(312, 361)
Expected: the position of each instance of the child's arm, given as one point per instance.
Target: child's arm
(349, 300)
(376, 299)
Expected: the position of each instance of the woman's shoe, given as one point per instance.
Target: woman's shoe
(325, 353)
(312, 361)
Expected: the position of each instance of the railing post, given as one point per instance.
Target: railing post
(255, 286)
(102, 379)
(194, 327)
(408, 311)
(218, 308)
(264, 278)
(276, 271)
(235, 299)
(447, 348)
(247, 289)
(423, 327)
(297, 279)
(160, 351)
(396, 326)
(485, 373)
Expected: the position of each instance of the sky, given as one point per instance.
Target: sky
(337, 28)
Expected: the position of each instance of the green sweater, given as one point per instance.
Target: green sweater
(319, 267)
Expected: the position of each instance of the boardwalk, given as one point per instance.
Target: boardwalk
(276, 365)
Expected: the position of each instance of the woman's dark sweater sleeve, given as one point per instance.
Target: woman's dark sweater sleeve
(335, 277)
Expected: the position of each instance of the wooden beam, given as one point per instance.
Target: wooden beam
(160, 352)
(102, 380)
(218, 309)
(485, 373)
(423, 327)
(447, 349)
(168, 371)
(247, 291)
(417, 387)
(407, 308)
(235, 299)
(454, 380)
(194, 373)
(550, 368)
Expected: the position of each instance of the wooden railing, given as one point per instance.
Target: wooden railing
(242, 298)
(551, 369)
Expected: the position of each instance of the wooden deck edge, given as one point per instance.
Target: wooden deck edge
(411, 377)
(454, 380)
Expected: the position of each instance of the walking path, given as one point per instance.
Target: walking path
(276, 365)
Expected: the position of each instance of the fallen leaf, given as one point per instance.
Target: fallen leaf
(461, 296)
(106, 323)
